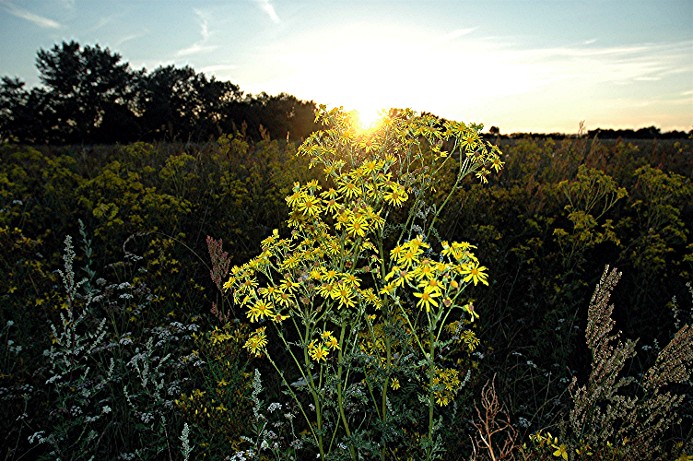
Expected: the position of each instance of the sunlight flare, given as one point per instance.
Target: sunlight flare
(368, 118)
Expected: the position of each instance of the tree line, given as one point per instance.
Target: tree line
(645, 133)
(90, 95)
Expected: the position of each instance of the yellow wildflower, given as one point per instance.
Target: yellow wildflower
(427, 298)
(330, 341)
(327, 334)
(350, 190)
(474, 272)
(433, 283)
(396, 195)
(408, 259)
(257, 342)
(561, 451)
(357, 226)
(497, 164)
(318, 352)
(469, 307)
(425, 269)
(259, 310)
(344, 294)
(309, 206)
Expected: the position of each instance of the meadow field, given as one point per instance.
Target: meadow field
(421, 291)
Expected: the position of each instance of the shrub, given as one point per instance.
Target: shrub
(110, 383)
(619, 417)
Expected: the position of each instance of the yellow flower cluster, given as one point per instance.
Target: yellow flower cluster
(334, 268)
(219, 336)
(294, 275)
(544, 440)
(446, 384)
(319, 349)
(470, 339)
(290, 275)
(337, 270)
(257, 342)
(199, 406)
(434, 282)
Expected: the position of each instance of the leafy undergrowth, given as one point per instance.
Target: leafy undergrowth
(427, 297)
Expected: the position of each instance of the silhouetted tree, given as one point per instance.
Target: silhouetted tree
(280, 116)
(14, 105)
(218, 101)
(179, 103)
(91, 94)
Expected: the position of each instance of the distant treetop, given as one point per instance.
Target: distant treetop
(89, 95)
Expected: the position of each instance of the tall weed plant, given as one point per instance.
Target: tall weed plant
(618, 416)
(363, 310)
(110, 386)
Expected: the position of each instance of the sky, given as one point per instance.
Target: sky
(520, 65)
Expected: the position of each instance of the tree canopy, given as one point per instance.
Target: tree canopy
(90, 95)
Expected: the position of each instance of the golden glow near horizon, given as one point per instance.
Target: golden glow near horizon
(368, 118)
(365, 65)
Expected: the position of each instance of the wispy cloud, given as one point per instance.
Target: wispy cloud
(36, 19)
(194, 49)
(457, 33)
(102, 23)
(201, 46)
(616, 64)
(131, 37)
(218, 68)
(204, 24)
(268, 8)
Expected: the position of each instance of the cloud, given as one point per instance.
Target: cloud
(457, 33)
(130, 37)
(269, 9)
(616, 64)
(40, 21)
(201, 45)
(196, 48)
(204, 24)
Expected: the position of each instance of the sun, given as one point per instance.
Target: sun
(368, 118)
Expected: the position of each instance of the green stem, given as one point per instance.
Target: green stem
(310, 383)
(340, 394)
(386, 383)
(464, 171)
(431, 397)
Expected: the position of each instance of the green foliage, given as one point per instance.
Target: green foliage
(108, 391)
(615, 416)
(546, 256)
(217, 406)
(539, 225)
